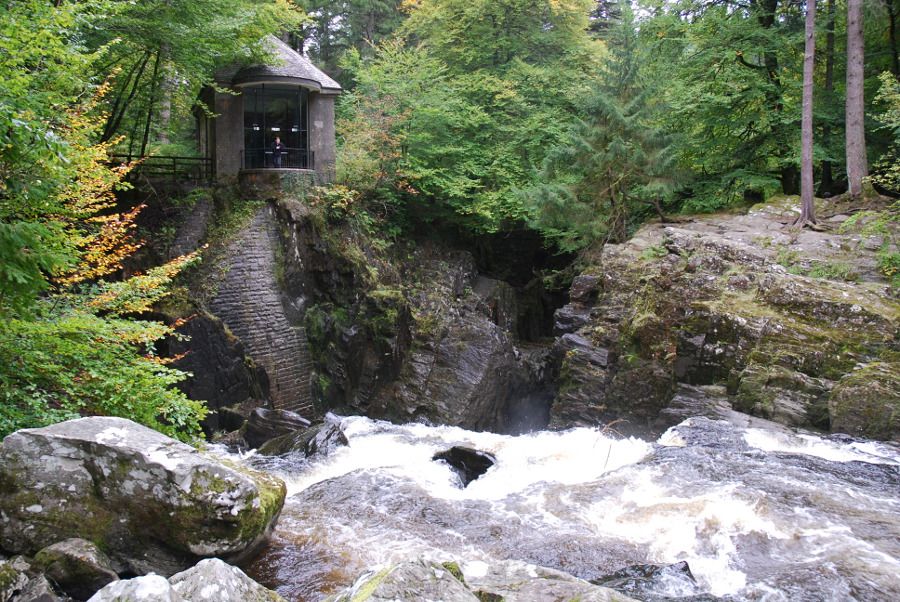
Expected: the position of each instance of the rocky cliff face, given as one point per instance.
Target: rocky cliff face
(794, 326)
(708, 315)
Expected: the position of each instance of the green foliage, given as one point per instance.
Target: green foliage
(163, 51)
(887, 169)
(447, 132)
(613, 163)
(69, 344)
(67, 363)
(733, 91)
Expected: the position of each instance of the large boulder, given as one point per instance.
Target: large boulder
(148, 588)
(150, 502)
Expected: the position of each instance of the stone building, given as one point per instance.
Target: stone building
(289, 98)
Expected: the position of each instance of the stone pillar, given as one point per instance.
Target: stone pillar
(228, 140)
(321, 134)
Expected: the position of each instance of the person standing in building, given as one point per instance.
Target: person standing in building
(277, 150)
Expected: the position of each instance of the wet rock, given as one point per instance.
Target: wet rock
(77, 566)
(150, 502)
(408, 582)
(784, 395)
(520, 582)
(149, 588)
(466, 462)
(648, 580)
(319, 439)
(264, 425)
(462, 368)
(328, 438)
(212, 579)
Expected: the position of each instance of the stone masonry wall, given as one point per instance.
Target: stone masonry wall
(249, 302)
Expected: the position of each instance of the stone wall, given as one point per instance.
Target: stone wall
(248, 300)
(321, 134)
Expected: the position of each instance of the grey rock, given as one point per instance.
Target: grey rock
(726, 306)
(149, 588)
(13, 578)
(519, 582)
(38, 589)
(264, 425)
(153, 503)
(212, 580)
(77, 566)
(412, 581)
(319, 439)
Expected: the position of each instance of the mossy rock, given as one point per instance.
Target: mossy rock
(149, 502)
(778, 393)
(866, 403)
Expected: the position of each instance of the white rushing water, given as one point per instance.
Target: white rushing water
(758, 515)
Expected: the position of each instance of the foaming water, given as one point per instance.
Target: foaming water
(757, 515)
(812, 445)
(576, 456)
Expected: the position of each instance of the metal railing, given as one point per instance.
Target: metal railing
(267, 158)
(165, 167)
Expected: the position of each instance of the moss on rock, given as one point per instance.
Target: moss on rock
(866, 403)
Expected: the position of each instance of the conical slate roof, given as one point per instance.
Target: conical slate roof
(290, 67)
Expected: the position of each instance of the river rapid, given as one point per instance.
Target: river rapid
(760, 513)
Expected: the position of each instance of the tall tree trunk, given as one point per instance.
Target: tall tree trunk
(151, 105)
(892, 37)
(827, 183)
(167, 88)
(807, 204)
(857, 165)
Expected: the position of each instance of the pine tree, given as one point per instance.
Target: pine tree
(613, 165)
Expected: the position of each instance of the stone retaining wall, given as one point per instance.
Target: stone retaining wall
(249, 302)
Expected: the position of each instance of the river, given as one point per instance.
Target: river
(762, 513)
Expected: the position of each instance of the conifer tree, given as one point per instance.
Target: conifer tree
(613, 164)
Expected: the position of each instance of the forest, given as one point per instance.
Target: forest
(578, 119)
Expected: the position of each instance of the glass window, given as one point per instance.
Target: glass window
(272, 112)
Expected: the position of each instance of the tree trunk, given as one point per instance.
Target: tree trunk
(857, 165)
(892, 37)
(807, 202)
(827, 183)
(167, 88)
(151, 105)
